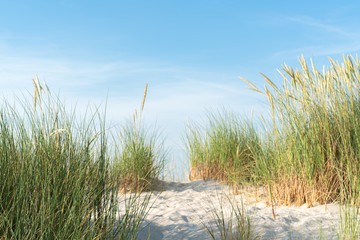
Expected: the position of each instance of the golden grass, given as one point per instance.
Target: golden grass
(206, 172)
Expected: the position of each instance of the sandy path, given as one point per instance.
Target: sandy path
(177, 213)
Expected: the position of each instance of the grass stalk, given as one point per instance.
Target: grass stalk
(230, 221)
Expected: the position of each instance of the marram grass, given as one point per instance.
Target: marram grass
(221, 151)
(231, 221)
(57, 177)
(314, 155)
(310, 150)
(140, 158)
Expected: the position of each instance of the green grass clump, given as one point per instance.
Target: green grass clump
(313, 146)
(222, 151)
(310, 150)
(56, 180)
(140, 160)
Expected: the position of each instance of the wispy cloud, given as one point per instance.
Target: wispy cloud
(176, 93)
(16, 71)
(326, 27)
(335, 39)
(318, 51)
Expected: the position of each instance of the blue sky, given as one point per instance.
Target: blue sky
(190, 52)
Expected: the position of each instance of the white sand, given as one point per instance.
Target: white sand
(178, 213)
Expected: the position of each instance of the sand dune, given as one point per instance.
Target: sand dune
(179, 211)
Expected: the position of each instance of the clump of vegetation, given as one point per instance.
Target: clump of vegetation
(313, 153)
(222, 151)
(140, 160)
(56, 176)
(310, 150)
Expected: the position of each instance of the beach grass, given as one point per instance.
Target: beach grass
(314, 135)
(58, 179)
(349, 224)
(231, 221)
(309, 151)
(61, 177)
(141, 157)
(222, 149)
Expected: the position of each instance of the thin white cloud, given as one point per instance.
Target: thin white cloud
(336, 40)
(318, 51)
(17, 72)
(315, 23)
(175, 93)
